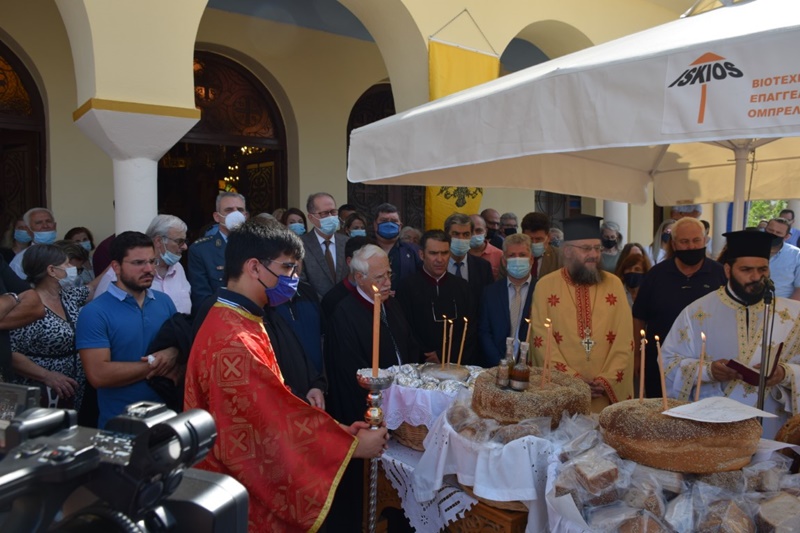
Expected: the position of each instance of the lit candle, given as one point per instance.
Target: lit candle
(450, 341)
(376, 329)
(700, 367)
(546, 364)
(661, 371)
(444, 336)
(463, 338)
(641, 366)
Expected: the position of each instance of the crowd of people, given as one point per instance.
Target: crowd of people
(273, 316)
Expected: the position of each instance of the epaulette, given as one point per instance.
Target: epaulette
(203, 239)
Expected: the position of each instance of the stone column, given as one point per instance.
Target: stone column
(617, 212)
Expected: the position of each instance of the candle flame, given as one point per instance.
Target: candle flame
(449, 321)
(465, 320)
(657, 339)
(703, 336)
(547, 324)
(641, 332)
(548, 320)
(375, 289)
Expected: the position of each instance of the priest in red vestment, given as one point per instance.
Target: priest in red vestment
(289, 455)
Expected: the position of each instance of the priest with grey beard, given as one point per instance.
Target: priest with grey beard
(583, 311)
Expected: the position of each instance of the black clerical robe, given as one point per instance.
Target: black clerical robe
(425, 301)
(350, 331)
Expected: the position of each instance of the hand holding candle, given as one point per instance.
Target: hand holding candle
(376, 329)
(700, 367)
(641, 366)
(661, 371)
(463, 338)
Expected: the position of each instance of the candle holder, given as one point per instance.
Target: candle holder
(374, 417)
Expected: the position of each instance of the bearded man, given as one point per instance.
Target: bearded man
(732, 319)
(591, 325)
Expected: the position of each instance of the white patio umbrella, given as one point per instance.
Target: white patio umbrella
(687, 105)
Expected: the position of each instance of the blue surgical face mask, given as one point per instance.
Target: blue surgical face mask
(518, 267)
(388, 230)
(283, 291)
(358, 233)
(44, 237)
(71, 275)
(537, 249)
(459, 247)
(20, 235)
(476, 241)
(86, 245)
(298, 228)
(329, 225)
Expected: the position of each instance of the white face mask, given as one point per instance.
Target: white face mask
(233, 220)
(71, 275)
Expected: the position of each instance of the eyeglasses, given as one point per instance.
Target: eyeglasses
(292, 267)
(586, 248)
(326, 214)
(139, 263)
(179, 242)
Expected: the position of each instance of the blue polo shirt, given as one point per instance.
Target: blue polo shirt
(115, 321)
(784, 269)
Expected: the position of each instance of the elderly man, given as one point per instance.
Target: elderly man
(667, 288)
(169, 239)
(432, 296)
(507, 302)
(508, 223)
(403, 256)
(42, 223)
(207, 255)
(480, 247)
(476, 271)
(732, 318)
(545, 258)
(784, 260)
(324, 264)
(592, 329)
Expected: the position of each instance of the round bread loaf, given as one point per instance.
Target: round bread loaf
(509, 406)
(790, 432)
(640, 432)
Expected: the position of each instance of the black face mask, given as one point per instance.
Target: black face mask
(691, 257)
(608, 243)
(509, 231)
(633, 279)
(665, 237)
(777, 242)
(490, 233)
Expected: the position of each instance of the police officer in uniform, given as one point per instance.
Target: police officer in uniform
(207, 255)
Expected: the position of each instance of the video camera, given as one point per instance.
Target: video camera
(134, 476)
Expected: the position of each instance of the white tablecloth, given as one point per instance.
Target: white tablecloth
(449, 502)
(418, 407)
(514, 472)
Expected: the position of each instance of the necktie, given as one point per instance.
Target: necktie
(516, 305)
(535, 269)
(459, 264)
(329, 259)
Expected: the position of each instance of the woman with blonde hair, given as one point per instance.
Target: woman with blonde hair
(659, 249)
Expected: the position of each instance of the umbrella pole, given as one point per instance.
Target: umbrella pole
(740, 156)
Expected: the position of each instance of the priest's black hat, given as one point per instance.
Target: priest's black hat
(748, 244)
(581, 227)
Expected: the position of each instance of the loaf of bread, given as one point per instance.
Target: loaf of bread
(642, 523)
(563, 393)
(780, 514)
(639, 431)
(597, 475)
(506, 434)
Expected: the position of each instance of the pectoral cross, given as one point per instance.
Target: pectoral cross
(587, 342)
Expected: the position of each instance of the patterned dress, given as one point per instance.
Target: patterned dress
(50, 343)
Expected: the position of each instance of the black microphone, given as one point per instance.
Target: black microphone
(769, 284)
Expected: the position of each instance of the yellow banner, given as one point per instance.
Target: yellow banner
(452, 69)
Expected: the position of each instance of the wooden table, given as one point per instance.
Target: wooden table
(481, 517)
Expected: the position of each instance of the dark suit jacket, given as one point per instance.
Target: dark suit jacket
(550, 261)
(206, 272)
(480, 275)
(495, 320)
(315, 268)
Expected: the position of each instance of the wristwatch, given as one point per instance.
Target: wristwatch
(13, 295)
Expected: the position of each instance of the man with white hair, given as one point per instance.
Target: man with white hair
(591, 328)
(350, 329)
(169, 239)
(42, 223)
(351, 333)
